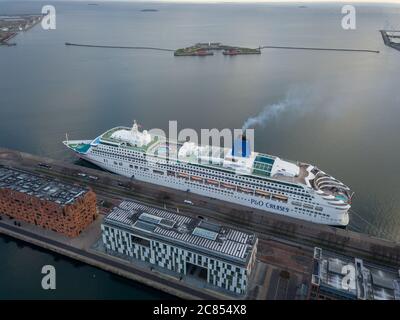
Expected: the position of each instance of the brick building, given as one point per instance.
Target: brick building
(51, 204)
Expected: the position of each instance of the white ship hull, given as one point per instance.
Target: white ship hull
(251, 179)
(256, 202)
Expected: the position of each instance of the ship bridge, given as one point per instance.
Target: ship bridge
(132, 137)
(129, 137)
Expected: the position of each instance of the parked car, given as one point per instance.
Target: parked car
(44, 165)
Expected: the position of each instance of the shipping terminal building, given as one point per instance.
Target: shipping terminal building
(337, 277)
(218, 255)
(64, 208)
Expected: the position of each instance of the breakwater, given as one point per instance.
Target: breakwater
(206, 48)
(117, 47)
(320, 49)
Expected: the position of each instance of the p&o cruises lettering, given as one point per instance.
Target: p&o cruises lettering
(270, 205)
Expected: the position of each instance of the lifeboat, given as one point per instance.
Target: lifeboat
(213, 182)
(228, 186)
(244, 190)
(279, 198)
(263, 193)
(196, 178)
(183, 175)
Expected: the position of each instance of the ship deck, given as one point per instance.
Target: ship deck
(301, 178)
(160, 147)
(170, 150)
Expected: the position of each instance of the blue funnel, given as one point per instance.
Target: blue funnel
(241, 147)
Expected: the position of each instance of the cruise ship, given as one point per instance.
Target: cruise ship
(236, 175)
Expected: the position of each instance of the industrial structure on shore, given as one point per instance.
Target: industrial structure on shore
(391, 38)
(337, 277)
(219, 255)
(50, 204)
(10, 26)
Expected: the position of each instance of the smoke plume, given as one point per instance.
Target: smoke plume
(270, 112)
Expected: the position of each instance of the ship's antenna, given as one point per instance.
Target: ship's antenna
(66, 137)
(134, 127)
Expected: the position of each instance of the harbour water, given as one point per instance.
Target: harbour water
(341, 108)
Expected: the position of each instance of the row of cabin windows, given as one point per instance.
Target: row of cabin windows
(231, 180)
(236, 182)
(223, 174)
(217, 189)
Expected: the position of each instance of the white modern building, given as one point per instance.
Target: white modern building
(221, 256)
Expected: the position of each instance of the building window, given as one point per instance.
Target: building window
(140, 241)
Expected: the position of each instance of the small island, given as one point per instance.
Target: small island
(207, 49)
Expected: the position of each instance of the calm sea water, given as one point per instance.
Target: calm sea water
(344, 119)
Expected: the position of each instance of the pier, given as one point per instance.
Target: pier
(117, 47)
(285, 251)
(321, 49)
(207, 49)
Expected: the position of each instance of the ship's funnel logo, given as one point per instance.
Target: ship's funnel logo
(241, 147)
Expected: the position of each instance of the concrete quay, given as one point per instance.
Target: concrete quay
(284, 260)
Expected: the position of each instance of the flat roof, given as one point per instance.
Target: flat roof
(40, 187)
(184, 231)
(373, 282)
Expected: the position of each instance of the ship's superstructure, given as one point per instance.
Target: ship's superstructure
(234, 174)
